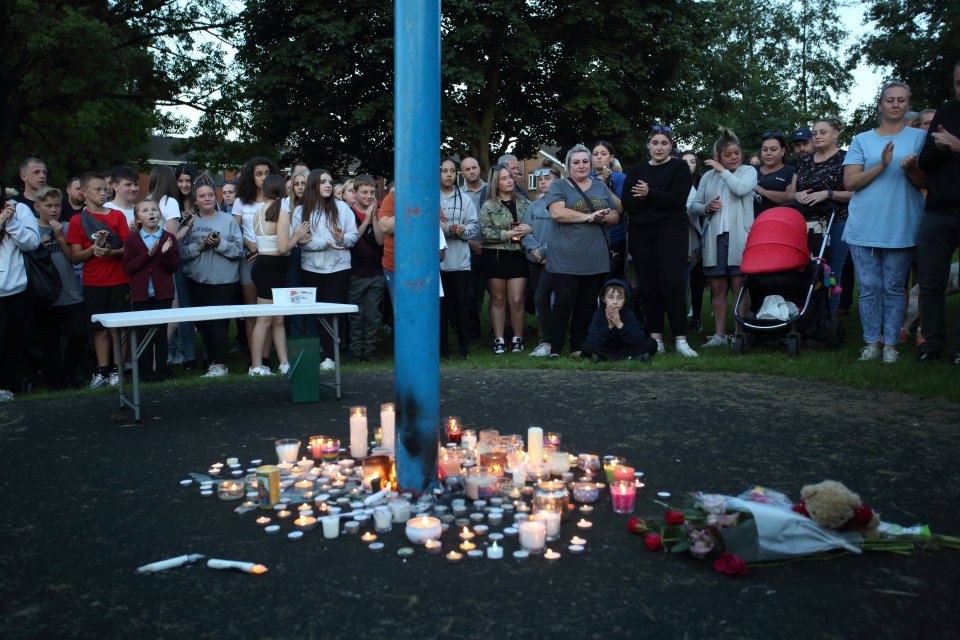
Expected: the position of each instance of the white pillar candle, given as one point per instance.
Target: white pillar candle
(533, 535)
(331, 526)
(535, 444)
(247, 567)
(388, 426)
(551, 522)
(358, 432)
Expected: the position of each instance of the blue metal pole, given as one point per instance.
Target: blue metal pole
(417, 304)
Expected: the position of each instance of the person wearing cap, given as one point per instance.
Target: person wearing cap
(802, 141)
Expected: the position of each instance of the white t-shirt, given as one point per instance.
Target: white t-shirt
(127, 212)
(169, 208)
(246, 211)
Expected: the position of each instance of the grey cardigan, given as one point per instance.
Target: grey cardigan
(741, 183)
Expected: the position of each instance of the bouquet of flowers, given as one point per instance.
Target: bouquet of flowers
(760, 526)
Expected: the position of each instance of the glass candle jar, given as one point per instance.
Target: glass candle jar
(480, 483)
(552, 495)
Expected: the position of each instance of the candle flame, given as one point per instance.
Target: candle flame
(426, 522)
(258, 569)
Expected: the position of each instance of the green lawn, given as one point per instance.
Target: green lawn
(815, 363)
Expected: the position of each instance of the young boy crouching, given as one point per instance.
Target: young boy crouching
(615, 333)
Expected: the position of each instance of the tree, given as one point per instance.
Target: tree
(918, 41)
(81, 81)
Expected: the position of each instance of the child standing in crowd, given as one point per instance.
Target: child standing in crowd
(150, 258)
(366, 274)
(125, 183)
(62, 325)
(615, 333)
(18, 233)
(214, 250)
(96, 239)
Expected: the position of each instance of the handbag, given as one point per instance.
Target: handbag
(613, 256)
(43, 279)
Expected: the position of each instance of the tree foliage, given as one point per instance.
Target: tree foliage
(81, 81)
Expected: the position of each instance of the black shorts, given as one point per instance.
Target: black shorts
(270, 272)
(115, 299)
(503, 264)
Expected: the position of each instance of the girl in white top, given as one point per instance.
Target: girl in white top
(274, 241)
(248, 202)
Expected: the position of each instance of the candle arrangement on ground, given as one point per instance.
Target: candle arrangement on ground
(498, 497)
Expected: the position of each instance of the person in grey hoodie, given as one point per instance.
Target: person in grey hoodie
(325, 250)
(535, 245)
(18, 233)
(460, 224)
(213, 250)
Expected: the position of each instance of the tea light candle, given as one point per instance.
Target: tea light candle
(467, 546)
(481, 529)
(388, 426)
(368, 537)
(584, 524)
(305, 465)
(270, 529)
(263, 520)
(295, 535)
(305, 523)
(422, 529)
(283, 514)
(585, 508)
(576, 549)
(432, 546)
(495, 552)
(466, 534)
(285, 467)
(351, 526)
(303, 485)
(230, 490)
(475, 554)
(510, 531)
(375, 547)
(453, 557)
(551, 556)
(213, 471)
(382, 519)
(520, 555)
(358, 432)
(578, 540)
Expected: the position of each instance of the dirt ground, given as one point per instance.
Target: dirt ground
(87, 499)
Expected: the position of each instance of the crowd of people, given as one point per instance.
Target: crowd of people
(605, 258)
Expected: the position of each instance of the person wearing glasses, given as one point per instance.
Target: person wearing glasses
(655, 200)
(536, 244)
(502, 256)
(325, 248)
(881, 172)
(818, 188)
(579, 259)
(606, 169)
(725, 198)
(773, 175)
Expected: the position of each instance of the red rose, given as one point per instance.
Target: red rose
(636, 525)
(674, 518)
(653, 542)
(731, 565)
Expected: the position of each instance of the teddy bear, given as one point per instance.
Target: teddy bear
(832, 505)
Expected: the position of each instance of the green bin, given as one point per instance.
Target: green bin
(304, 370)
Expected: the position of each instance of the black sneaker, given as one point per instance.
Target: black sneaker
(499, 348)
(517, 344)
(926, 357)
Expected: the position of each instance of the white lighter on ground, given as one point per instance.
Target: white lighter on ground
(246, 567)
(163, 565)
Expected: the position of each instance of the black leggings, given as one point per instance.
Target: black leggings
(576, 295)
(331, 287)
(63, 332)
(13, 321)
(214, 332)
(455, 305)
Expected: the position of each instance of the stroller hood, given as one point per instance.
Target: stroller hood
(777, 242)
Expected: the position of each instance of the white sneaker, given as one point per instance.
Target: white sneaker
(542, 350)
(215, 371)
(714, 341)
(684, 349)
(870, 352)
(284, 368)
(113, 379)
(6, 395)
(660, 346)
(262, 370)
(575, 354)
(890, 355)
(328, 365)
(97, 381)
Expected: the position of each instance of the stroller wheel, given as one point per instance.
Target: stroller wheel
(739, 344)
(793, 345)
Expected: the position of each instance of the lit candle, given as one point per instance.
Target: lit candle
(246, 567)
(316, 448)
(551, 556)
(468, 439)
(432, 546)
(611, 463)
(305, 523)
(578, 540)
(585, 508)
(467, 546)
(423, 529)
(329, 449)
(287, 449)
(230, 490)
(466, 534)
(552, 438)
(535, 444)
(551, 522)
(495, 551)
(213, 471)
(623, 474)
(283, 513)
(358, 432)
(263, 520)
(305, 465)
(303, 485)
(584, 524)
(382, 519)
(401, 510)
(454, 557)
(533, 535)
(388, 426)
(624, 495)
(454, 431)
(368, 537)
(559, 462)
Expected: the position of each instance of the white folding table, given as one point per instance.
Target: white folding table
(130, 320)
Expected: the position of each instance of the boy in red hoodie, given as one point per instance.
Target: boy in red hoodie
(150, 258)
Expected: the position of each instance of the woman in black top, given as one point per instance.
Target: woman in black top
(655, 196)
(773, 176)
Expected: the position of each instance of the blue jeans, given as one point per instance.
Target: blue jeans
(882, 273)
(836, 256)
(388, 277)
(185, 337)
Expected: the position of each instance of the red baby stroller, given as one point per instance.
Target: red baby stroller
(777, 261)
